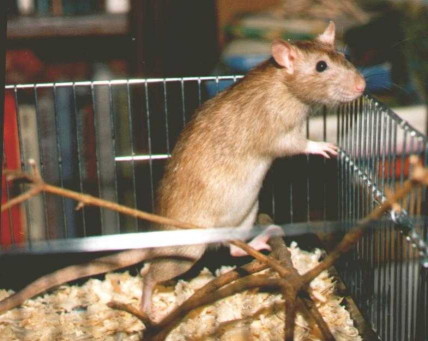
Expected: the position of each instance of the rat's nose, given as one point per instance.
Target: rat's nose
(360, 84)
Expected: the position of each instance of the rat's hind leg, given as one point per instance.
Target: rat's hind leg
(247, 223)
(164, 269)
(259, 242)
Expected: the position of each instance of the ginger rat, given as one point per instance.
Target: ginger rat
(221, 158)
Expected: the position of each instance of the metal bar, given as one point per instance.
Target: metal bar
(60, 165)
(122, 81)
(79, 144)
(390, 235)
(273, 196)
(307, 165)
(324, 165)
(132, 142)
(358, 156)
(384, 274)
(9, 211)
(152, 239)
(352, 151)
(22, 161)
(291, 204)
(409, 268)
(114, 151)
(165, 105)
(401, 301)
(42, 165)
(4, 6)
(183, 103)
(340, 164)
(199, 92)
(97, 152)
(149, 144)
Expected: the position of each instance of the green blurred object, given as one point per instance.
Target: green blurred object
(253, 32)
(415, 26)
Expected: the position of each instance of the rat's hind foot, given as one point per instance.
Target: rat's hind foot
(259, 242)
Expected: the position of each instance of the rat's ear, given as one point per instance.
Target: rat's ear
(328, 36)
(284, 54)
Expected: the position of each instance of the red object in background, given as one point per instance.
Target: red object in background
(22, 66)
(11, 220)
(395, 169)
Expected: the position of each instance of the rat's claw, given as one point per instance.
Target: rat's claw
(331, 149)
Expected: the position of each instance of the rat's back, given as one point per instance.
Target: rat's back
(214, 175)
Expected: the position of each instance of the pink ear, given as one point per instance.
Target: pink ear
(328, 36)
(284, 54)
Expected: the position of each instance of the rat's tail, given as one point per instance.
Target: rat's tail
(73, 272)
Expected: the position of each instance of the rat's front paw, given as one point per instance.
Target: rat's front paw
(321, 148)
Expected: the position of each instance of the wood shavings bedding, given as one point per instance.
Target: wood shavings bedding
(81, 313)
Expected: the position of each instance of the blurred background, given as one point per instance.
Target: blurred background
(53, 40)
(67, 40)
(75, 40)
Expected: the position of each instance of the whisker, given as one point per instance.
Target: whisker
(382, 87)
(401, 42)
(375, 73)
(400, 87)
(394, 85)
(416, 37)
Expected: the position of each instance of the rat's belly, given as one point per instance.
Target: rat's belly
(215, 195)
(238, 195)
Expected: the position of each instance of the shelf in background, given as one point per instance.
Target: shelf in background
(67, 26)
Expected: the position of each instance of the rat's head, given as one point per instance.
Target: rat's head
(315, 72)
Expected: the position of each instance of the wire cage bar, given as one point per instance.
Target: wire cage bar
(112, 138)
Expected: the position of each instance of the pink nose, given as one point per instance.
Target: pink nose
(360, 84)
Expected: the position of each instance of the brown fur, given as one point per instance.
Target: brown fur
(252, 123)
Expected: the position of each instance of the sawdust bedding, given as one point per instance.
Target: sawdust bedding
(81, 312)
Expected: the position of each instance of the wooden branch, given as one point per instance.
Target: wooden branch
(272, 262)
(171, 320)
(131, 310)
(97, 266)
(294, 287)
(32, 192)
(281, 252)
(306, 306)
(246, 320)
(419, 177)
(292, 282)
(289, 293)
(40, 186)
(242, 284)
(85, 199)
(196, 300)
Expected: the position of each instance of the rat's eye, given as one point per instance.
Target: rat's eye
(321, 66)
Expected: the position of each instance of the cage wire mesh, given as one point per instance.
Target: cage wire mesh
(112, 138)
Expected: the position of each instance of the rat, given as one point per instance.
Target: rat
(220, 160)
(217, 167)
